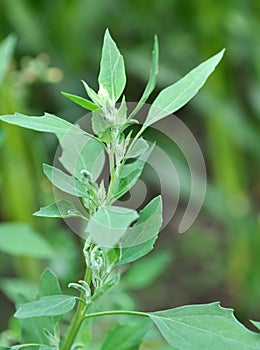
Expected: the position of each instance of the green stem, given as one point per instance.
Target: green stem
(116, 312)
(77, 319)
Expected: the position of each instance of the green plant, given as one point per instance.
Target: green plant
(113, 235)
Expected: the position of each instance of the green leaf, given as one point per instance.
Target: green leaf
(46, 123)
(92, 94)
(64, 182)
(126, 336)
(81, 152)
(49, 284)
(130, 173)
(7, 47)
(81, 101)
(138, 148)
(135, 252)
(112, 69)
(152, 78)
(146, 228)
(256, 324)
(108, 224)
(177, 95)
(33, 328)
(144, 273)
(122, 113)
(20, 240)
(208, 326)
(128, 176)
(60, 209)
(99, 123)
(53, 305)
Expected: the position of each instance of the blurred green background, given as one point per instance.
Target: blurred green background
(58, 43)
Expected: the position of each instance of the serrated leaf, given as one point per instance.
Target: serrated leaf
(177, 95)
(112, 69)
(20, 240)
(126, 336)
(7, 47)
(59, 209)
(54, 305)
(64, 182)
(46, 123)
(146, 228)
(152, 78)
(138, 148)
(109, 223)
(208, 326)
(49, 284)
(81, 152)
(81, 101)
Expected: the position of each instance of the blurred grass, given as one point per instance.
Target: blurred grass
(224, 116)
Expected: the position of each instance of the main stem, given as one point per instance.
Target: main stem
(77, 319)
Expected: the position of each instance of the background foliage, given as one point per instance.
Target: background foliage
(57, 45)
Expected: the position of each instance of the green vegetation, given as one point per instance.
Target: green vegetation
(113, 233)
(218, 258)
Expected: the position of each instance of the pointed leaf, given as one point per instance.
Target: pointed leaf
(46, 306)
(20, 240)
(64, 182)
(146, 228)
(49, 284)
(46, 123)
(152, 78)
(7, 47)
(177, 95)
(135, 243)
(81, 101)
(136, 252)
(60, 209)
(128, 176)
(208, 326)
(256, 324)
(112, 69)
(92, 94)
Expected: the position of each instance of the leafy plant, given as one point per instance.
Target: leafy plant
(114, 235)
